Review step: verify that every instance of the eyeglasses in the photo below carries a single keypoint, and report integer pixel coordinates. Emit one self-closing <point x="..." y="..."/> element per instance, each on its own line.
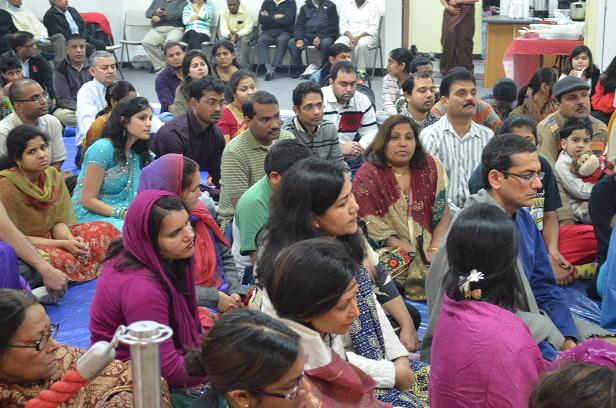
<point x="214" y="102"/>
<point x="526" y="177"/>
<point x="35" y="98"/>
<point x="289" y="396"/>
<point x="40" y="344"/>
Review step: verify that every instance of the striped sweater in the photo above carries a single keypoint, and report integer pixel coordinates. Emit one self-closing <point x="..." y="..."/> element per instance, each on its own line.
<point x="202" y="24"/>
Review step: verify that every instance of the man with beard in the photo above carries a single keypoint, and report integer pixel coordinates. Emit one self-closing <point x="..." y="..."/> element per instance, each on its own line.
<point x="455" y="139"/>
<point x="242" y="160"/>
<point x="319" y="134"/>
<point x="573" y="97"/>
<point x="170" y="77"/>
<point x="195" y="134"/>
<point x="351" y="111"/>
<point x="418" y="90"/>
<point x="30" y="103"/>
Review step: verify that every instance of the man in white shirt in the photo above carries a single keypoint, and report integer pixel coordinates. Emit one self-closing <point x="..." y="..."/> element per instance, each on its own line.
<point x="30" y="103"/>
<point x="351" y="111"/>
<point x="237" y="25"/>
<point x="25" y="20"/>
<point x="91" y="96"/>
<point x="359" y="28"/>
<point x="455" y="139"/>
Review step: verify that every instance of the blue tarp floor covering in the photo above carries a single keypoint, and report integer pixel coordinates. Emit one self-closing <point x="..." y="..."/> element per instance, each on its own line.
<point x="72" y="312"/>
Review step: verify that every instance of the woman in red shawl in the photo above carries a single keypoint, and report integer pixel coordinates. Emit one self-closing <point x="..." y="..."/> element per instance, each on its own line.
<point x="401" y="193"/>
<point x="218" y="286"/>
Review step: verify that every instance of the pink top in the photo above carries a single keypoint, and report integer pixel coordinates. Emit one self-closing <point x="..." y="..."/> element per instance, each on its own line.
<point x="482" y="356"/>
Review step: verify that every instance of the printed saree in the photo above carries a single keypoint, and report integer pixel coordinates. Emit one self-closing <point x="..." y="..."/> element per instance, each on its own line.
<point x="457" y="38"/>
<point x="112" y="388"/>
<point x="388" y="212"/>
<point x="36" y="208"/>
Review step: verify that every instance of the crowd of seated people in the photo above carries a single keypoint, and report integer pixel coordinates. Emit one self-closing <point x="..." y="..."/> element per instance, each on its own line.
<point x="301" y="286"/>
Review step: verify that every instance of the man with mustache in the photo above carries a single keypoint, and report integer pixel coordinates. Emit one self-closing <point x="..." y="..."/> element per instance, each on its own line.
<point x="573" y="97"/>
<point x="455" y="139"/>
<point x="418" y="90"/>
<point x="242" y="160"/>
<point x="195" y="134"/>
<point x="351" y="111"/>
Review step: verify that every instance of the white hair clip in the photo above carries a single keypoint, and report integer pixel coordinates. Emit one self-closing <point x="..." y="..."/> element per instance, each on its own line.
<point x="464" y="283"/>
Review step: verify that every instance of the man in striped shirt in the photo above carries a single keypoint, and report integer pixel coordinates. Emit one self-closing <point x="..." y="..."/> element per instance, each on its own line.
<point x="351" y="111"/>
<point x="455" y="139"/>
<point x="242" y="160"/>
<point x="308" y="126"/>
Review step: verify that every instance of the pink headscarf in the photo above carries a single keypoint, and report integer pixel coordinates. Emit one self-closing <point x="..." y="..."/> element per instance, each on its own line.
<point x="166" y="173"/>
<point x="137" y="241"/>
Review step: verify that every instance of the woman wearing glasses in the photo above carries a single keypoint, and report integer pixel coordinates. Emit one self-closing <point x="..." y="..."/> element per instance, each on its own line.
<point x="38" y="203"/>
<point x="109" y="176"/>
<point x="31" y="359"/>
<point x="251" y="360"/>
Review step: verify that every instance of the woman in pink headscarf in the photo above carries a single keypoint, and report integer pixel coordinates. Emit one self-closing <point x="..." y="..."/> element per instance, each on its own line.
<point x="218" y="285"/>
<point x="149" y="275"/>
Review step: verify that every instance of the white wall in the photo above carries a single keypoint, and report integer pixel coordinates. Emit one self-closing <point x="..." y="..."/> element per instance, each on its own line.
<point x="391" y="36"/>
<point x="605" y="46"/>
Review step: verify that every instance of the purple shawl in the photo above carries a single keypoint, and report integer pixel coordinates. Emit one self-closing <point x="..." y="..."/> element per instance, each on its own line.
<point x="138" y="243"/>
<point x="482" y="355"/>
<point x="164" y="173"/>
<point x="591" y="351"/>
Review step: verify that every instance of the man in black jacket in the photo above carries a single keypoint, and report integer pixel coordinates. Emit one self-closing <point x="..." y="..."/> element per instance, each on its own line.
<point x="65" y="20"/>
<point x="277" y="18"/>
<point x="317" y="25"/>
<point x="7" y="27"/>
<point x="23" y="47"/>
<point x="68" y="77"/>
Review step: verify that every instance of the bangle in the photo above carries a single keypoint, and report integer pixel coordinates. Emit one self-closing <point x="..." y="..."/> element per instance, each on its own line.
<point x="118" y="212"/>
<point x="432" y="249"/>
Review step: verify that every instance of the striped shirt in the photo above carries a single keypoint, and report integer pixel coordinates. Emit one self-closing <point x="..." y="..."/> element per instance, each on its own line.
<point x="355" y="121"/>
<point x="460" y="156"/>
<point x="202" y="23"/>
<point x="241" y="167"/>
<point x="323" y="143"/>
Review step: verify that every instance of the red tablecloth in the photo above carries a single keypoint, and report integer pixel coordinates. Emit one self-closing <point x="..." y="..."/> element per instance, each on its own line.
<point x="522" y="57"/>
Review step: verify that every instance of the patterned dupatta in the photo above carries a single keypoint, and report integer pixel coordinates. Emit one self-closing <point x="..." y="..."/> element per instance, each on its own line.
<point x="376" y="191"/>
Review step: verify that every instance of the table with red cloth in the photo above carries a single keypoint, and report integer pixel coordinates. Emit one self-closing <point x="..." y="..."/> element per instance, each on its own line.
<point x="523" y="56"/>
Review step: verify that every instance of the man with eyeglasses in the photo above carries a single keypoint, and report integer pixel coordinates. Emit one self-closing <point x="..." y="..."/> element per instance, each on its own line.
<point x="309" y="125"/>
<point x="30" y="103"/>
<point x="545" y="204"/>
<point x="195" y="134"/>
<point x="33" y="65"/>
<point x="512" y="175"/>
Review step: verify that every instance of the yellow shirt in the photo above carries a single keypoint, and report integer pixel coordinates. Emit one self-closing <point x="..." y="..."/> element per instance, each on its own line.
<point x="241" y="22"/>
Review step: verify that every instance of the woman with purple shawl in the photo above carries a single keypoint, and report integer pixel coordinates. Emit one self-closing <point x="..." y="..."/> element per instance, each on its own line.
<point x="218" y="285"/>
<point x="483" y="355"/>
<point x="149" y="275"/>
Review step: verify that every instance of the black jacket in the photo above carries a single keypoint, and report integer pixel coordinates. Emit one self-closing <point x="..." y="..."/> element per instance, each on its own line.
<point x="40" y="71"/>
<point x="55" y="22"/>
<point x="313" y="21"/>
<point x="277" y="27"/>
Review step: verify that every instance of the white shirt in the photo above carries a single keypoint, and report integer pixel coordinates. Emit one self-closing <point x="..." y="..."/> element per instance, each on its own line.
<point x="357" y="118"/>
<point x="364" y="19"/>
<point x="460" y="156"/>
<point x="47" y="123"/>
<point x="90" y="101"/>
